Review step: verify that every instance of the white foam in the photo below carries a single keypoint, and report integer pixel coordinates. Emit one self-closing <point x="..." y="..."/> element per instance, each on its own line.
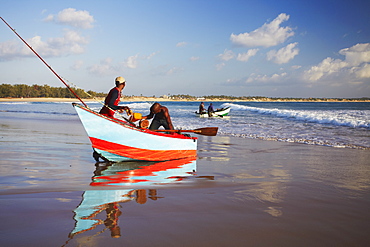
<point x="14" y="103"/>
<point x="350" y="118"/>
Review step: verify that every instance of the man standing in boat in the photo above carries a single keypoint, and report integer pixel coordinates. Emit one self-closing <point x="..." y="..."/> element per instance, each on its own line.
<point x="210" y="110"/>
<point x="113" y="98"/>
<point x="161" y="117"/>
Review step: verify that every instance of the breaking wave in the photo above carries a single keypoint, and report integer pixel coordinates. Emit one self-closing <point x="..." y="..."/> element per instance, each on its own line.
<point x="349" y="118"/>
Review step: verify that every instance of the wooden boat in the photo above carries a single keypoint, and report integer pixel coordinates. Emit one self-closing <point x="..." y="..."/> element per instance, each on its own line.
<point x="118" y="140"/>
<point x="219" y="113"/>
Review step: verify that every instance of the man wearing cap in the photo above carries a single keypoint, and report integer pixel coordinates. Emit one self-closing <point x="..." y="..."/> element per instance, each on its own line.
<point x="113" y="98"/>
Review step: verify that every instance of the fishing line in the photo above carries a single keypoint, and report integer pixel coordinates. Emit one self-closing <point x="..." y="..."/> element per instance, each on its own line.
<point x="47" y="65"/>
<point x="59" y="77"/>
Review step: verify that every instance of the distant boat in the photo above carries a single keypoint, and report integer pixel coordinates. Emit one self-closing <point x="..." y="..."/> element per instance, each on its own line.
<point x="218" y="113"/>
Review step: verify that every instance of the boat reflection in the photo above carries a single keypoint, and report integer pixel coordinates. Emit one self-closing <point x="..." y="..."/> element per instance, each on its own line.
<point x="143" y="173"/>
<point x="88" y="214"/>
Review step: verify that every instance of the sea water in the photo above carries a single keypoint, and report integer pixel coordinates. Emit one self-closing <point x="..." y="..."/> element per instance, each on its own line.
<point x="336" y="124"/>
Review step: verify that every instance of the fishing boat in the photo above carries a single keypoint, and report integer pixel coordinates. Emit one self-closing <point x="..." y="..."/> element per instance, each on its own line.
<point x="119" y="140"/>
<point x="218" y="113"/>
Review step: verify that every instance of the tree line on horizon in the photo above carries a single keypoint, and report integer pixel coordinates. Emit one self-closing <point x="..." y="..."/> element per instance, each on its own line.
<point x="46" y="91"/>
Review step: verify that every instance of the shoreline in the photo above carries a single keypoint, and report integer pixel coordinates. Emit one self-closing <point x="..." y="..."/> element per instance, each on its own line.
<point x="135" y="99"/>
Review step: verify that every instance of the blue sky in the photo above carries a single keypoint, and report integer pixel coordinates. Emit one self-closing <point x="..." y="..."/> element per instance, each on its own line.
<point x="241" y="48"/>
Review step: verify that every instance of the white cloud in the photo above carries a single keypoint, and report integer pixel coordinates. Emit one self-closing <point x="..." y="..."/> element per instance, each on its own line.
<point x="131" y="62"/>
<point x="357" y="54"/>
<point x="77" y="65"/>
<point x="227" y="55"/>
<point x="296" y="67"/>
<point x="363" y="72"/>
<point x="174" y="70"/>
<point x="270" y="34"/>
<point x="107" y="67"/>
<point x="265" y="78"/>
<point x="283" y="55"/>
<point x="73" y="17"/>
<point x="194" y="58"/>
<point x="9" y="49"/>
<point x="355" y="66"/>
<point x="181" y="44"/>
<point x="326" y="67"/>
<point x="104" y="68"/>
<point x="150" y="55"/>
<point x="244" y="57"/>
<point x="220" y="66"/>
<point x="71" y="43"/>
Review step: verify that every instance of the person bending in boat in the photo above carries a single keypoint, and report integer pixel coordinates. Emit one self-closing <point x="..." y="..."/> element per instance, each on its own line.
<point x="161" y="117"/>
<point x="113" y="98"/>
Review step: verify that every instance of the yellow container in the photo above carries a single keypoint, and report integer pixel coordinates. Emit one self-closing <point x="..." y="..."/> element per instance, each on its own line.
<point x="135" y="117"/>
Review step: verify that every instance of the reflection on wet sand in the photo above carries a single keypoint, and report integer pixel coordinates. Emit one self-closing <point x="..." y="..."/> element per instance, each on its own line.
<point x="96" y="201"/>
<point x="123" y="174"/>
<point x="352" y="178"/>
<point x="268" y="185"/>
<point x="215" y="151"/>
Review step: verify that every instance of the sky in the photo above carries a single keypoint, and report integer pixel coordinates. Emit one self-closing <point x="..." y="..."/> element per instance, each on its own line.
<point x="267" y="48"/>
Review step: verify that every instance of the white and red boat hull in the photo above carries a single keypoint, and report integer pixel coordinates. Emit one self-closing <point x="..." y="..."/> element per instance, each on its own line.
<point x="118" y="140"/>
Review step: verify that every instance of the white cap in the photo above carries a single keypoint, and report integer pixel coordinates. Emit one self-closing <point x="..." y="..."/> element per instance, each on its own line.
<point x="120" y="79"/>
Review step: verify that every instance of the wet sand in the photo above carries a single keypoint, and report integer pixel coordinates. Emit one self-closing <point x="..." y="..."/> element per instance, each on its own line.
<point x="244" y="192"/>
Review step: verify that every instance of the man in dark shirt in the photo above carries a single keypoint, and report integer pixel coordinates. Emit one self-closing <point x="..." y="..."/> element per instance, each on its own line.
<point x="210" y="110"/>
<point x="161" y="117"/>
<point x="113" y="98"/>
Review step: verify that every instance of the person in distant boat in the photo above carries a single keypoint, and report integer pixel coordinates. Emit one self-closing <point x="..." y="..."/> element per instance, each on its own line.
<point x="210" y="110"/>
<point x="201" y="108"/>
<point x="113" y="98"/>
<point x="161" y="117"/>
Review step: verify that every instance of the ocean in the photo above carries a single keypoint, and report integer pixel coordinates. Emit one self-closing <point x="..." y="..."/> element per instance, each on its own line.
<point x="335" y="124"/>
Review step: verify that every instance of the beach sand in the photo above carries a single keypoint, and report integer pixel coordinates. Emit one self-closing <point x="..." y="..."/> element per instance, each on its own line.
<point x="244" y="192"/>
<point x="144" y="99"/>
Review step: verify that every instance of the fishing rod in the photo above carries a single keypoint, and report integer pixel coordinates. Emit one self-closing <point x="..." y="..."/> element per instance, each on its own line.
<point x="47" y="65"/>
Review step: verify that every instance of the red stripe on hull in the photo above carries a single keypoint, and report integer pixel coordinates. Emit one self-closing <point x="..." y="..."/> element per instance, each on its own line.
<point x="141" y="154"/>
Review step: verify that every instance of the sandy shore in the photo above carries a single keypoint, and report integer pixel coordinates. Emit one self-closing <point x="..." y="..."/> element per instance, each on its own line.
<point x="152" y="99"/>
<point x="131" y="99"/>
